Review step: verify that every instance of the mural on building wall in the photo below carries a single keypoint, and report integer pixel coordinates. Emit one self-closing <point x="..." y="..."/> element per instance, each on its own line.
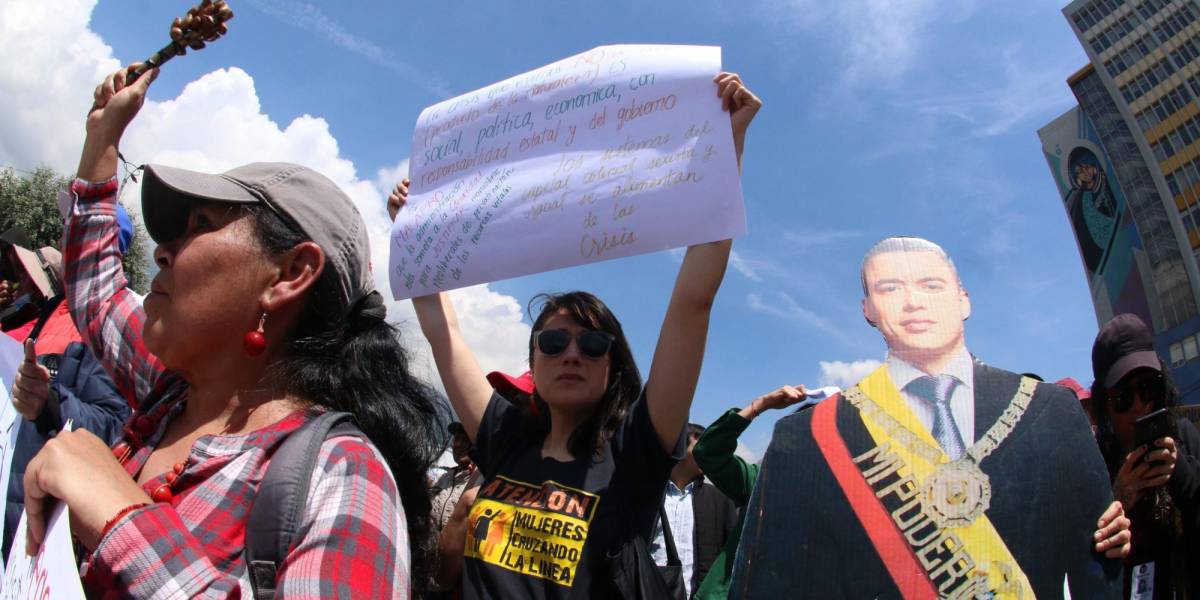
<point x="1108" y="241"/>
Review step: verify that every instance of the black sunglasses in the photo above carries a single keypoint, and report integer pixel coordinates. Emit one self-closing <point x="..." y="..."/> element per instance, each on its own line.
<point x="591" y="343"/>
<point x="1148" y="388"/>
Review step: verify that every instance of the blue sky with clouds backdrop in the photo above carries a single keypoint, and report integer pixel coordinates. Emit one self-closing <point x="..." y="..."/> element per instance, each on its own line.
<point x="881" y="117"/>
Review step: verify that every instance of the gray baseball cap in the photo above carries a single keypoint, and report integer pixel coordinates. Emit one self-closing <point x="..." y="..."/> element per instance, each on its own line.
<point x="304" y="199"/>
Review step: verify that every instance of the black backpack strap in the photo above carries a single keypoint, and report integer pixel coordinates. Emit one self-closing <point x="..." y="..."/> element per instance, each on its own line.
<point x="282" y="497"/>
<point x="668" y="539"/>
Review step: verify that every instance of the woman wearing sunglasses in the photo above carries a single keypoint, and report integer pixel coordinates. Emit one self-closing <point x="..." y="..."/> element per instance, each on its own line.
<point x="1158" y="481"/>
<point x="564" y="490"/>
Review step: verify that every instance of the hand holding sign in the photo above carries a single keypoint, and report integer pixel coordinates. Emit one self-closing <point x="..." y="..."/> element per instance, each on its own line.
<point x="52" y="572"/>
<point x="742" y="105"/>
<point x="32" y="385"/>
<point x="77" y="468"/>
<point x="398" y="198"/>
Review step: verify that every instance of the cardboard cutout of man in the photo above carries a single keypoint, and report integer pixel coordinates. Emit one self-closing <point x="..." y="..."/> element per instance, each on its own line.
<point x="936" y="475"/>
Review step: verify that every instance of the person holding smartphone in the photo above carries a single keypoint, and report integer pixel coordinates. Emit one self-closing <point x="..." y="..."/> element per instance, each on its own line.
<point x="1153" y="459"/>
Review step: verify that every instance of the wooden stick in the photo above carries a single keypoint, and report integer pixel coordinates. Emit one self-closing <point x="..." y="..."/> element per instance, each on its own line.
<point x="203" y="23"/>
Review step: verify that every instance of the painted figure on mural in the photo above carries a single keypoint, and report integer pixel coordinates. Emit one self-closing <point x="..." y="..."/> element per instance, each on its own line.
<point x="1092" y="206"/>
<point x="936" y="475"/>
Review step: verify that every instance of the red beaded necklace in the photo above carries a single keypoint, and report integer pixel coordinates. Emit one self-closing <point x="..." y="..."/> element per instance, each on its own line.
<point x="136" y="430"/>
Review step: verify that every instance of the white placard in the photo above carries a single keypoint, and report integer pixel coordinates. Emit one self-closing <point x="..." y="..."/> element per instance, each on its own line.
<point x="11" y="355"/>
<point x="617" y="151"/>
<point x="52" y="573"/>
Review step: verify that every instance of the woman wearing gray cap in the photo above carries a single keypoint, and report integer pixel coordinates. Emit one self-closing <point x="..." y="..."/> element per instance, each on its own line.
<point x="262" y="316"/>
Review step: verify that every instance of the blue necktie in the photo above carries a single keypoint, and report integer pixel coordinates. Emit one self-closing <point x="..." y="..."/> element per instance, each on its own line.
<point x="937" y="390"/>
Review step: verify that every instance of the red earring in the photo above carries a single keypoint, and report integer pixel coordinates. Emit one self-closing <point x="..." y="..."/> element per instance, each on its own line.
<point x="255" y="342"/>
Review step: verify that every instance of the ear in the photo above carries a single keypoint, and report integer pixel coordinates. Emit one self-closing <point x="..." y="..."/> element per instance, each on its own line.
<point x="298" y="270"/>
<point x="964" y="301"/>
<point x="869" y="313"/>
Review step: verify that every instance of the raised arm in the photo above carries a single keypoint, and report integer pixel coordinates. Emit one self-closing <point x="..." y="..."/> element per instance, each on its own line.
<point x="465" y="383"/>
<point x="715" y="450"/>
<point x="109" y="317"/>
<point x="680" y="350"/>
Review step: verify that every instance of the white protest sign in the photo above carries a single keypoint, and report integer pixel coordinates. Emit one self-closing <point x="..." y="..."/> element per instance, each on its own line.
<point x="52" y="573"/>
<point x="11" y="355"/>
<point x="617" y="151"/>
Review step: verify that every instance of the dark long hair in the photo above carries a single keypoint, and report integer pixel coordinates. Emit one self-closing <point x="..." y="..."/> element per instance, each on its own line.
<point x="349" y="362"/>
<point x="624" y="379"/>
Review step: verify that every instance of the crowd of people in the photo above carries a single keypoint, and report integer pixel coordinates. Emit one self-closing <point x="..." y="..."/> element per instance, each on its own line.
<point x="155" y="420"/>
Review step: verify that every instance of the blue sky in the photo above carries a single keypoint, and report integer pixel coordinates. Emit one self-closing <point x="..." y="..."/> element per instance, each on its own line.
<point x="901" y="117"/>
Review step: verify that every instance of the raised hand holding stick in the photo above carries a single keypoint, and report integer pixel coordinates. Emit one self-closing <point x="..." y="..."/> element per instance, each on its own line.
<point x="203" y="23"/>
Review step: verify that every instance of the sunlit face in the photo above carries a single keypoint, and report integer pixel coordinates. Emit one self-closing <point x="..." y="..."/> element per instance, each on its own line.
<point x="206" y="295"/>
<point x="915" y="300"/>
<point x="570" y="380"/>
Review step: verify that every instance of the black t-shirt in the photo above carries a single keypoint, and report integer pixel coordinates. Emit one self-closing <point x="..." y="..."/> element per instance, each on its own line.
<point x="541" y="528"/>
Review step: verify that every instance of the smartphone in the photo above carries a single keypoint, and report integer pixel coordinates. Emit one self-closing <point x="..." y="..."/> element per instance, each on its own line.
<point x="1158" y="424"/>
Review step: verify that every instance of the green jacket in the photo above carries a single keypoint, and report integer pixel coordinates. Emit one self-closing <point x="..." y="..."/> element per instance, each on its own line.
<point x="735" y="478"/>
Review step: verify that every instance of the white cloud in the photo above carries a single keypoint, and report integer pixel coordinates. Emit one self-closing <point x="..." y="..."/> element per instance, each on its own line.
<point x="214" y="124"/>
<point x="309" y="17"/>
<point x="745" y="453"/>
<point x="815" y="237"/>
<point x="51" y="64"/>
<point x="845" y="374"/>
<point x="876" y="39"/>
<point x="785" y="307"/>
<point x="754" y="269"/>
<point x="740" y="265"/>
<point x="1024" y="88"/>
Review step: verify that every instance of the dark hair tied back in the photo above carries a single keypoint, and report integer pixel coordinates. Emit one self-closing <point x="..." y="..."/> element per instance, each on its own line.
<point x="355" y="363"/>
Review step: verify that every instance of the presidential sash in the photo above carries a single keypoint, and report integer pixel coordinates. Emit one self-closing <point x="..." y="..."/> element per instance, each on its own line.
<point x="924" y="514"/>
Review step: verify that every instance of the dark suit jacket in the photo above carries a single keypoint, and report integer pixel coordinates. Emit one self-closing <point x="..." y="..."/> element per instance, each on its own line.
<point x="1049" y="489"/>
<point x="715" y="518"/>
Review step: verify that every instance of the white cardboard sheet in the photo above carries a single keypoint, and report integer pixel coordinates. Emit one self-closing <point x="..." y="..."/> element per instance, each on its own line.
<point x="52" y="573"/>
<point x="617" y="151"/>
<point x="11" y="355"/>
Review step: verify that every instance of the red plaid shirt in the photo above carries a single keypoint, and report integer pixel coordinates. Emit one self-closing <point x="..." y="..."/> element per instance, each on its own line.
<point x="352" y="541"/>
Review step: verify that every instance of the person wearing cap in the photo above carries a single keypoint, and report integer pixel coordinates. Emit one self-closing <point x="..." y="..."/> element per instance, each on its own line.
<point x="1083" y="394"/>
<point x="1159" y="482"/>
<point x="29" y="293"/>
<point x="59" y="381"/>
<point x="574" y="485"/>
<point x="262" y="316"/>
<point x="17" y="288"/>
<point x="455" y="490"/>
<point x="934" y="476"/>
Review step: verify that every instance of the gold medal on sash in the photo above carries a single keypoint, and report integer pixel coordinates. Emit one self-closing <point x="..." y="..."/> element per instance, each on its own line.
<point x="957" y="493"/>
<point x="907" y="466"/>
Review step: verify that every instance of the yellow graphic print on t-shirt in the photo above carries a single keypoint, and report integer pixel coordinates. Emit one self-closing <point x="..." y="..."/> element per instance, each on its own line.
<point x="530" y="529"/>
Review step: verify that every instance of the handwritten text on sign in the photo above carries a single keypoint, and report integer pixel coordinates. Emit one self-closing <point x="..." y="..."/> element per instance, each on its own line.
<point x="51" y="574"/>
<point x="618" y="151"/>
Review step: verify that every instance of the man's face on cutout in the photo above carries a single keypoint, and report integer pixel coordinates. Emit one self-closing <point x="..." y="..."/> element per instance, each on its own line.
<point x="915" y="300"/>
